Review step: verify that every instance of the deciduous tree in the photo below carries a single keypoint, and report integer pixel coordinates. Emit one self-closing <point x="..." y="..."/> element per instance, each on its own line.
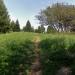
<point x="59" y="16"/>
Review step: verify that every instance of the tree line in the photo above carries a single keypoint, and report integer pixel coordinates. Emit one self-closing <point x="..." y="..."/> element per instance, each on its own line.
<point x="6" y="25"/>
<point x="59" y="17"/>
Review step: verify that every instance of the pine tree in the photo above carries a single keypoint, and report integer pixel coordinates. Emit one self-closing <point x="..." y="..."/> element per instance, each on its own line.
<point x="4" y="18"/>
<point x="13" y="26"/>
<point x="17" y="27"/>
<point x="28" y="27"/>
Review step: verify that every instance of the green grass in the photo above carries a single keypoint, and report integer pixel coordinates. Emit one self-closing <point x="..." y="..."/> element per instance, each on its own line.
<point x="22" y="36"/>
<point x="16" y="36"/>
<point x="57" y="35"/>
<point x="54" y="45"/>
<point x="57" y="50"/>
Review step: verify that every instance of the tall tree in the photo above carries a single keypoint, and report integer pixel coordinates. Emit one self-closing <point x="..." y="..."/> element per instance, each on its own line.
<point x="4" y="18"/>
<point x="13" y="26"/>
<point x="59" y="16"/>
<point x="28" y="27"/>
<point x="17" y="27"/>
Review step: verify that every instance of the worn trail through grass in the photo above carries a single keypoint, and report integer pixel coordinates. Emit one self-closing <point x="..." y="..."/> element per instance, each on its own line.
<point x="36" y="66"/>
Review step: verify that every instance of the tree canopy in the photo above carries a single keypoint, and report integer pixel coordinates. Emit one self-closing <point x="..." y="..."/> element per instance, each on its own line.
<point x="28" y="27"/>
<point x="41" y="29"/>
<point x="4" y="18"/>
<point x="17" y="27"/>
<point x="59" y="16"/>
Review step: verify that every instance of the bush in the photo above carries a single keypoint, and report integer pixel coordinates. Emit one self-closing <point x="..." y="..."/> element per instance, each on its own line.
<point x="55" y="53"/>
<point x="18" y="57"/>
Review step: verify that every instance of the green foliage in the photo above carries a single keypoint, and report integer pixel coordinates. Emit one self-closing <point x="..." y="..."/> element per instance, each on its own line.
<point x="56" y="50"/>
<point x="17" y="27"/>
<point x="50" y="29"/>
<point x="16" y="54"/>
<point x="28" y="27"/>
<point x="3" y="58"/>
<point x="4" y="18"/>
<point x="55" y="53"/>
<point x="15" y="50"/>
<point x="40" y="29"/>
<point x="13" y="26"/>
<point x="36" y="31"/>
<point x="59" y="16"/>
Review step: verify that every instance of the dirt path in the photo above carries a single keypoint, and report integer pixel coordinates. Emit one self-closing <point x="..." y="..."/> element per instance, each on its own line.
<point x="36" y="41"/>
<point x="36" y="66"/>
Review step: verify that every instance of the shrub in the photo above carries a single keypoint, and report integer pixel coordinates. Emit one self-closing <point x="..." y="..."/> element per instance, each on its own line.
<point x="19" y="58"/>
<point x="54" y="54"/>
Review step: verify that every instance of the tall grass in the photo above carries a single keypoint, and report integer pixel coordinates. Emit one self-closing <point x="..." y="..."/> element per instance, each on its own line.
<point x="56" y="53"/>
<point x="56" y="50"/>
<point x="14" y="54"/>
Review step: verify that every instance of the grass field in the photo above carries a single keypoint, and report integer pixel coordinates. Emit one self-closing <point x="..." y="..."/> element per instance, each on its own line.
<point x="14" y="48"/>
<point x="58" y="35"/>
<point x="16" y="36"/>
<point x="22" y="36"/>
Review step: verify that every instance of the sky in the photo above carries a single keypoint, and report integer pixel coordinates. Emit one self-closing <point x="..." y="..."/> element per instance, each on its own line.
<point x="24" y="10"/>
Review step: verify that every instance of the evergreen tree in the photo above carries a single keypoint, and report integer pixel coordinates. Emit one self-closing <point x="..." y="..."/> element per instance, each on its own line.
<point x="32" y="29"/>
<point x="13" y="26"/>
<point x="4" y="18"/>
<point x="28" y="27"/>
<point x="17" y="27"/>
